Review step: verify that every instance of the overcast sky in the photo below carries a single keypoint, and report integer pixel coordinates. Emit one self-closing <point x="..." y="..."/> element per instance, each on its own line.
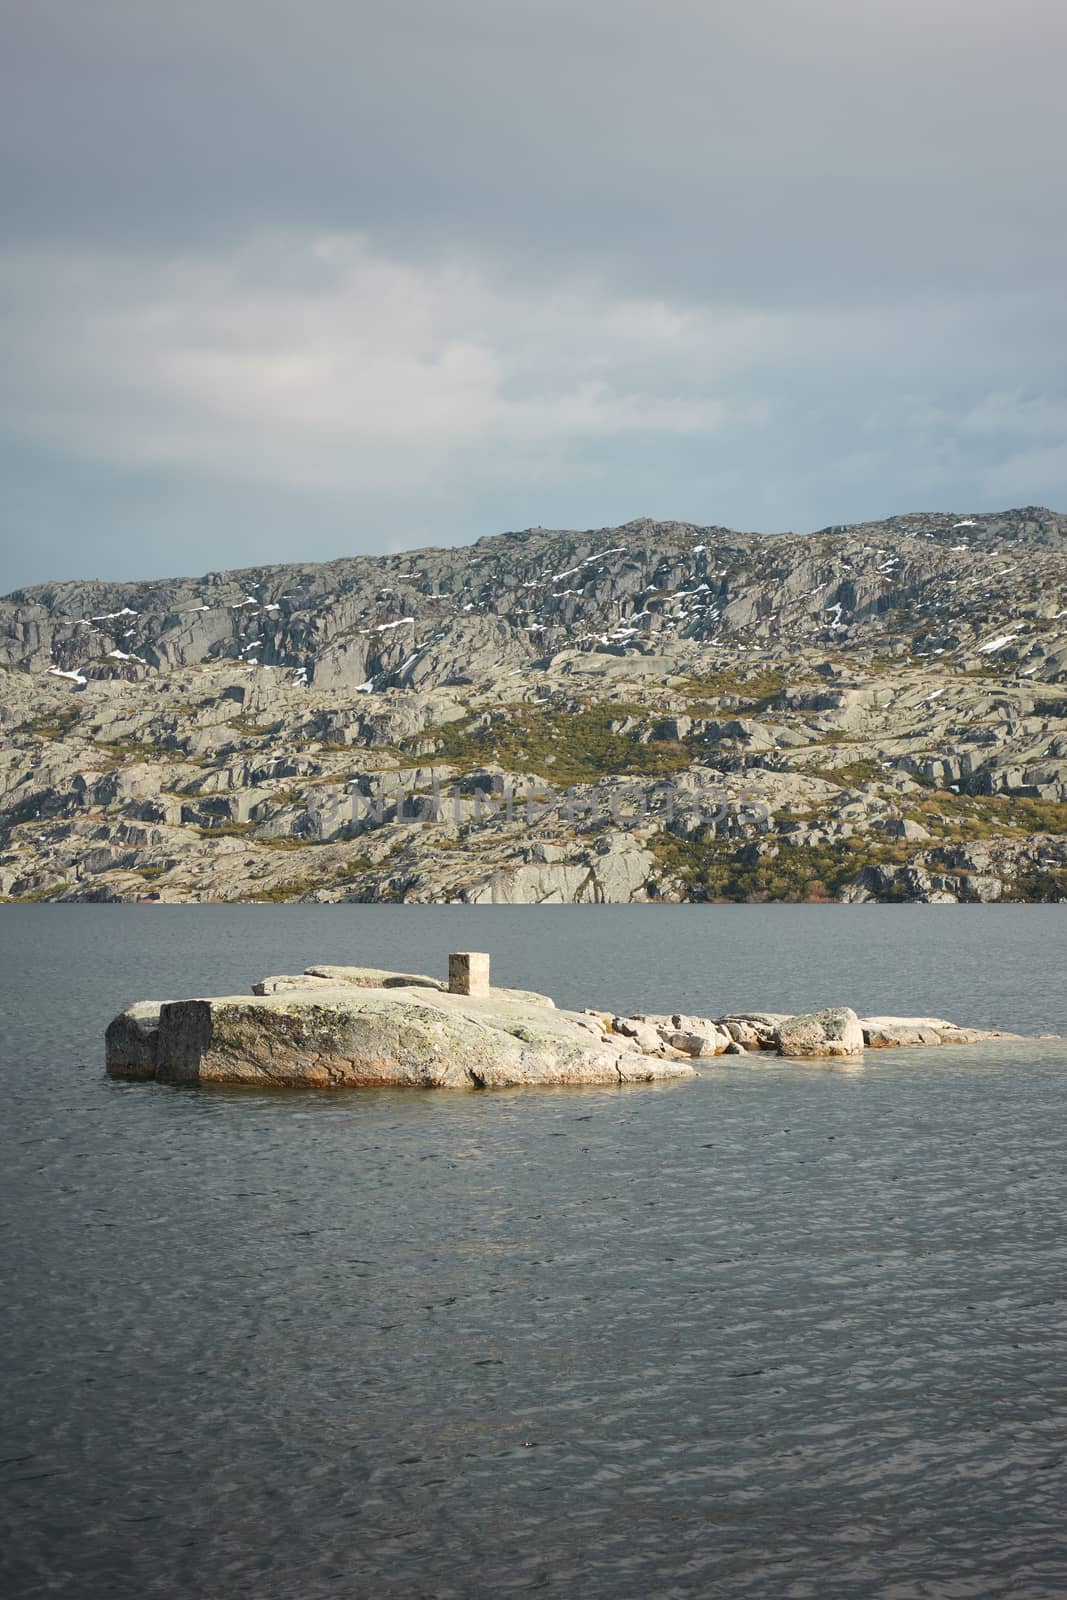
<point x="297" y="280"/>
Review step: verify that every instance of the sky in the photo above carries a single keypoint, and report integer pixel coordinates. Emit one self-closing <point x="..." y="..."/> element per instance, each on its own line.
<point x="286" y="281"/>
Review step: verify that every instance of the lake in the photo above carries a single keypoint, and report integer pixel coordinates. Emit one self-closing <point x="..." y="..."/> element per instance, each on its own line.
<point x="783" y="1331"/>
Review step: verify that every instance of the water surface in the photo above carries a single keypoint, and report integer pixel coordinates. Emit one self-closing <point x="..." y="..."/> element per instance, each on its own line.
<point x="783" y="1331"/>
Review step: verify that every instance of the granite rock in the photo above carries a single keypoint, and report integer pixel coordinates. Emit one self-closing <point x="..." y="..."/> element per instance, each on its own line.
<point x="833" y="1032"/>
<point x="351" y="1036"/>
<point x="132" y="1039"/>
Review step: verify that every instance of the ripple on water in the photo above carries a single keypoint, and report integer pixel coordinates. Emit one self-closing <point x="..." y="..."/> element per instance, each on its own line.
<point x="779" y="1332"/>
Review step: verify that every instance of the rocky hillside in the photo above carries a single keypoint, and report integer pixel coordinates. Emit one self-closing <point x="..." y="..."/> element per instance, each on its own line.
<point x="652" y="712"/>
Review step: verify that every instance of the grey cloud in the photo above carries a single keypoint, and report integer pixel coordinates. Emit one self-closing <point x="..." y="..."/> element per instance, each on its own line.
<point x="848" y="215"/>
<point x="905" y="140"/>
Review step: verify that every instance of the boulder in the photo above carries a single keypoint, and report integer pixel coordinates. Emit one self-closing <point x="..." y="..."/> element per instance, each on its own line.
<point x="644" y="1033"/>
<point x="903" y="828"/>
<point x="348" y="1035"/>
<point x="130" y="1043"/>
<point x="689" y="1036"/>
<point x="834" y="1032"/>
<point x="692" y="1044"/>
<point x="754" y="1030"/>
<point x="375" y="977"/>
<point x="704" y="1037"/>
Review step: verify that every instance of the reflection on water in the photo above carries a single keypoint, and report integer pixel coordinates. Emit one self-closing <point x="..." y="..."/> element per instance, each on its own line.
<point x="783" y="1331"/>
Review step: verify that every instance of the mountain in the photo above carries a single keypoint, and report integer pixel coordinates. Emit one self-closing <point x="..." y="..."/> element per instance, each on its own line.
<point x="653" y="712"/>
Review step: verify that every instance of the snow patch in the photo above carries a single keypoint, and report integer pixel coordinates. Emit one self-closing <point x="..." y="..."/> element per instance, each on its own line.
<point x="999" y="642"/>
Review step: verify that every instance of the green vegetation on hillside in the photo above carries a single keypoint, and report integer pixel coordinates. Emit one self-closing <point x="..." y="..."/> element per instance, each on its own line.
<point x="754" y="693"/>
<point x="971" y="816"/>
<point x="719" y="870"/>
<point x="52" y="724"/>
<point x="564" y="747"/>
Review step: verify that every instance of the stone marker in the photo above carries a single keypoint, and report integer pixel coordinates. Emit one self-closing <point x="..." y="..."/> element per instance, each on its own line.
<point x="468" y="972"/>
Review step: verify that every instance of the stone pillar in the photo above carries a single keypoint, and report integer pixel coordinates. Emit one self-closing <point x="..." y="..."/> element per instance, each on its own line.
<point x="468" y="972"/>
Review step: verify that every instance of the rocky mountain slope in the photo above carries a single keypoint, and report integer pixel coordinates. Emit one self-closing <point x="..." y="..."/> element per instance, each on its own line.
<point x="652" y="712"/>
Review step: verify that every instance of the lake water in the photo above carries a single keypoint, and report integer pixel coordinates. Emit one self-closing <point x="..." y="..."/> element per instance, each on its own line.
<point x="784" y="1331"/>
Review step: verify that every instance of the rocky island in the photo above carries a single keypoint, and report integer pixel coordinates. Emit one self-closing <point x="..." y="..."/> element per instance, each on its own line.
<point x="654" y="712"/>
<point x="362" y="1027"/>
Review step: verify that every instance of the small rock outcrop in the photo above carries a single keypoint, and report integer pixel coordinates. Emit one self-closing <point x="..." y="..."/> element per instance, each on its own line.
<point x="889" y="1033"/>
<point x="366" y="1027"/>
